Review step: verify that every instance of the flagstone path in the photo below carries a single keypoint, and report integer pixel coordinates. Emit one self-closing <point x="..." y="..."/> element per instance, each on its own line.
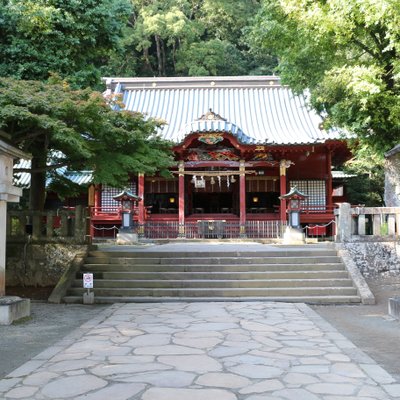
<point x="202" y="351"/>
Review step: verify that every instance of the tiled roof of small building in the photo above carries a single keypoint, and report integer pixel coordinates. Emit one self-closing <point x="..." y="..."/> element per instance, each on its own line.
<point x="23" y="179"/>
<point x="256" y="109"/>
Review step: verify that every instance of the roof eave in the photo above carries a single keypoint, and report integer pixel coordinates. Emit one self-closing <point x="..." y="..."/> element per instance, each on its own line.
<point x="193" y="82"/>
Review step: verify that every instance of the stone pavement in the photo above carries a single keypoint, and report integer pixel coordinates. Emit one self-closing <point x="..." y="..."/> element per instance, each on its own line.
<point x="202" y="351"/>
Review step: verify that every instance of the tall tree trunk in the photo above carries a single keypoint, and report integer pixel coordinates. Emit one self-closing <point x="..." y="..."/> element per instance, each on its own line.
<point x="174" y="56"/>
<point x="37" y="192"/>
<point x="159" y="56"/>
<point x="164" y="58"/>
<point x="147" y="60"/>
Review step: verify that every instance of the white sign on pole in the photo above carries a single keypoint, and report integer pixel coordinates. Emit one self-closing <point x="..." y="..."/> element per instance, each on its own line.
<point x="88" y="281"/>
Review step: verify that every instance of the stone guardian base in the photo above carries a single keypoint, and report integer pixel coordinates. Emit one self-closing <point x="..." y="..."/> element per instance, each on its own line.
<point x="293" y="236"/>
<point x="127" y="238"/>
<point x="13" y="308"/>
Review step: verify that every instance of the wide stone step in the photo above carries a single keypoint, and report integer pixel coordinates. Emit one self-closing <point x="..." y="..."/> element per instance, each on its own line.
<point x="216" y="283"/>
<point x="211" y="260"/>
<point x="213" y="254"/>
<point x="310" y="274"/>
<point x="218" y="292"/>
<point x="211" y="268"/>
<point x="336" y="274"/>
<point x="329" y="299"/>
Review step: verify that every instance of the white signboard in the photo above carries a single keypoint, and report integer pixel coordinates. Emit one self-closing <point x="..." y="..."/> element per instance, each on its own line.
<point x="88" y="281"/>
<point x="199" y="183"/>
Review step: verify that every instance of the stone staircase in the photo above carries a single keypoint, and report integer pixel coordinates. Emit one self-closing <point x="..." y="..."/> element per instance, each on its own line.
<point x="312" y="274"/>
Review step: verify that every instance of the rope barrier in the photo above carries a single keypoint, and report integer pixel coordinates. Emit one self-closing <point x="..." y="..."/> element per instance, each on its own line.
<point x="321" y="226"/>
<point x="105" y="229"/>
<point x="318" y="226"/>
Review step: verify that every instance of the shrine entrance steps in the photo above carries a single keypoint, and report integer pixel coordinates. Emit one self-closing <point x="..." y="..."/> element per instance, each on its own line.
<point x="313" y="274"/>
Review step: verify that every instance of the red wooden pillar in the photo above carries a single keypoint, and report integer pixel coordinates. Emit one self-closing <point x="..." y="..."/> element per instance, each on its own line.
<point x="141" y="209"/>
<point x="97" y="196"/>
<point x="181" y="201"/>
<point x="96" y="207"/>
<point x="283" y="190"/>
<point x="242" y="198"/>
<point x="329" y="189"/>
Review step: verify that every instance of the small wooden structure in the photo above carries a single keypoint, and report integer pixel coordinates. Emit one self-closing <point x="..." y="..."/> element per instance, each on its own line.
<point x="294" y="199"/>
<point x="128" y="201"/>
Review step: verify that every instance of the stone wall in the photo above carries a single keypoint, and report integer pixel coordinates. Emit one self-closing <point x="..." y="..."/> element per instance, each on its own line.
<point x="42" y="264"/>
<point x="392" y="179"/>
<point x="375" y="258"/>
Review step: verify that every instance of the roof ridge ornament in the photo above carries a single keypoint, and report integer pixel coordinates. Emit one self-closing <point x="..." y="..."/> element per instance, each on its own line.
<point x="211" y="116"/>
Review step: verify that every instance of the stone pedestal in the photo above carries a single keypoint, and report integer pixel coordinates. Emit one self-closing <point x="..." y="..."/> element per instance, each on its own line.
<point x="394" y="307"/>
<point x="88" y="298"/>
<point x="293" y="236"/>
<point x="344" y="223"/>
<point x="127" y="238"/>
<point x="3" y="224"/>
<point x="13" y="308"/>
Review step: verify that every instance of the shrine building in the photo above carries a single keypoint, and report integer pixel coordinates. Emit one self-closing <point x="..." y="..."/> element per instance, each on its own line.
<point x="240" y="143"/>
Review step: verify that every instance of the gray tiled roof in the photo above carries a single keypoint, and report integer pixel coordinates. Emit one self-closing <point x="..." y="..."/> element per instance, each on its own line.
<point x="257" y="109"/>
<point x="23" y="179"/>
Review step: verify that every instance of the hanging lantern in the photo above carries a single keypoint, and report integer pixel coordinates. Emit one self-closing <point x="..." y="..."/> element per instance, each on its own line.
<point x="233" y="180"/>
<point x="212" y="181"/>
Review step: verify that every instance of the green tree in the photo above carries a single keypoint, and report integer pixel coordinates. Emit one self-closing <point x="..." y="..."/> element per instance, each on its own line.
<point x="367" y="184"/>
<point x="79" y="129"/>
<point x="71" y="38"/>
<point x="346" y="53"/>
<point x="214" y="57"/>
<point x="188" y="37"/>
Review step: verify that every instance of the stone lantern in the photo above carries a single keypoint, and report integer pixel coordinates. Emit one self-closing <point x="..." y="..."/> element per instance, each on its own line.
<point x="293" y="231"/>
<point x="128" y="200"/>
<point x="11" y="307"/>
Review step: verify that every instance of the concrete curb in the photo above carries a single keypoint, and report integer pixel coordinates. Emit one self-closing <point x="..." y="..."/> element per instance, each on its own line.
<point x="363" y="289"/>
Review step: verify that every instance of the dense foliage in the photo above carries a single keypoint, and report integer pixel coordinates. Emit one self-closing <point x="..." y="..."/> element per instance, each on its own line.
<point x="78" y="129"/>
<point x="83" y="40"/>
<point x="189" y="37"/>
<point x="366" y="184"/>
<point x="346" y="53"/>
<point x="71" y="38"/>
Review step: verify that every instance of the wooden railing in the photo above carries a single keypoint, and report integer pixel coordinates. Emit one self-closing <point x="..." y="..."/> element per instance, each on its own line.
<point x="96" y="212"/>
<point x="112" y="212"/>
<point x="66" y="224"/>
<point x="218" y="229"/>
<point x="323" y="209"/>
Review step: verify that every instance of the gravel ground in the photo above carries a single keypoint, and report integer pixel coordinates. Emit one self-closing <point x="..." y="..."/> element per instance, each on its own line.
<point x="368" y="327"/>
<point x="47" y="324"/>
